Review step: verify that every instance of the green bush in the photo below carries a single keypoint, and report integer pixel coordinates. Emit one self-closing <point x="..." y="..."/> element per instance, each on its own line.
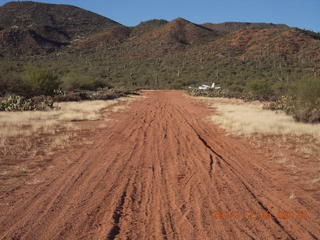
<point x="41" y="81"/>
<point x="12" y="84"/>
<point x="74" y="81"/>
<point x="235" y="88"/>
<point x="307" y="100"/>
<point x="260" y="89"/>
<point x="280" y="88"/>
<point x="3" y="87"/>
<point x="303" y="101"/>
<point x="306" y="90"/>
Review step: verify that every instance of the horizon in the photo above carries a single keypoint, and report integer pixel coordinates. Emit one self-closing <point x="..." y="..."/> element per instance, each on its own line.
<point x="294" y="13"/>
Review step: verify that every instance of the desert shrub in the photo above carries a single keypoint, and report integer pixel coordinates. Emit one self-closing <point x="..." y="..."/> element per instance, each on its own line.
<point x="41" y="81"/>
<point x="127" y="92"/>
<point x="102" y="94"/>
<point x="303" y="101"/>
<point x="283" y="103"/>
<point x="18" y="103"/>
<point x="71" y="97"/>
<point x="307" y="90"/>
<point x="226" y="93"/>
<point x="235" y="88"/>
<point x="179" y="84"/>
<point x="280" y="88"/>
<point x="307" y="113"/>
<point x="3" y="86"/>
<point x="74" y="81"/>
<point x="260" y="89"/>
<point x="12" y="84"/>
<point x="106" y="95"/>
<point x="307" y="100"/>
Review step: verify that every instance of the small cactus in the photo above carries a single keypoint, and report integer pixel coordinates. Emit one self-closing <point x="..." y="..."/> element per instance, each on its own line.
<point x="18" y="103"/>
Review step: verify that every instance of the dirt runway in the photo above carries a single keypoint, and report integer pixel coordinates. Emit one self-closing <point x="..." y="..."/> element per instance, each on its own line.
<point x="160" y="170"/>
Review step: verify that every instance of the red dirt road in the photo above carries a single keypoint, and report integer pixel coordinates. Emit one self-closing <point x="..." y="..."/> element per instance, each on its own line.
<point x="160" y="171"/>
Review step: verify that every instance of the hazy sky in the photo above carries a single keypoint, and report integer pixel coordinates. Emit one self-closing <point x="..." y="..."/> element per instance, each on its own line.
<point x="295" y="13"/>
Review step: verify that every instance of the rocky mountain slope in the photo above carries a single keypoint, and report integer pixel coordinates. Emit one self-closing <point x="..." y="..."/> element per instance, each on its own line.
<point x="37" y="28"/>
<point x="174" y="53"/>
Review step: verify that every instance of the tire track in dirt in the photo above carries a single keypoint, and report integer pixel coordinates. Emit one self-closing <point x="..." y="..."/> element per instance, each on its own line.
<point x="160" y="171"/>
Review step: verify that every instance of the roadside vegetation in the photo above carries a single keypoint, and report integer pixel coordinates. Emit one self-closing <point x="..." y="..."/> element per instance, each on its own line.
<point x="248" y="118"/>
<point x="300" y="99"/>
<point x="38" y="88"/>
<point x="23" y="126"/>
<point x="282" y="140"/>
<point x="29" y="140"/>
<point x="38" y="135"/>
<point x="27" y="123"/>
<point x="43" y="112"/>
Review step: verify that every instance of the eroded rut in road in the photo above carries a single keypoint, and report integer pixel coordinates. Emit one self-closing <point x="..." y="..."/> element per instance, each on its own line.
<point x="160" y="171"/>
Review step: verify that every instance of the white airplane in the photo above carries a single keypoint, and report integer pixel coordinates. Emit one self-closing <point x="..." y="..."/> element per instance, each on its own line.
<point x="204" y="87"/>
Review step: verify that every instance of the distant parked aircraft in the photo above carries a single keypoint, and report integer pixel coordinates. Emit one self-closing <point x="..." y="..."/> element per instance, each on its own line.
<point x="205" y="87"/>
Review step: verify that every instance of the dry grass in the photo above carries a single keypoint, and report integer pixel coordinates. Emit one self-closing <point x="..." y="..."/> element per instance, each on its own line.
<point x="83" y="111"/>
<point x="27" y="123"/>
<point x="294" y="146"/>
<point x="29" y="140"/>
<point x="24" y="133"/>
<point x="241" y="118"/>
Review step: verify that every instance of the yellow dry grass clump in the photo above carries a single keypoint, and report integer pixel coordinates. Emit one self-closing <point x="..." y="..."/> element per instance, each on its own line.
<point x="23" y="124"/>
<point x="83" y="111"/>
<point x="241" y="118"/>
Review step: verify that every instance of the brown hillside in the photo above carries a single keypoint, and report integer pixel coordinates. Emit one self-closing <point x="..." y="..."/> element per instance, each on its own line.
<point x="72" y="20"/>
<point x="147" y="27"/>
<point x="105" y="39"/>
<point x="17" y="41"/>
<point x="158" y="38"/>
<point x="228" y="27"/>
<point x="182" y="31"/>
<point x="266" y="42"/>
<point x="30" y="28"/>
